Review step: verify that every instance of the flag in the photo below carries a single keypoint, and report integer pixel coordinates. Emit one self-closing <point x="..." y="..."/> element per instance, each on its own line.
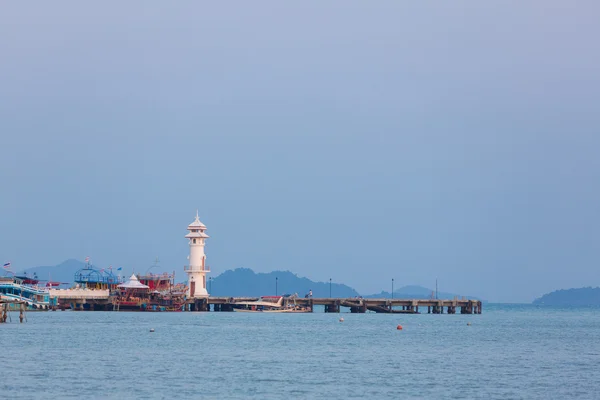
<point x="87" y="259"/>
<point x="102" y="270"/>
<point x="6" y="265"/>
<point x="120" y="268"/>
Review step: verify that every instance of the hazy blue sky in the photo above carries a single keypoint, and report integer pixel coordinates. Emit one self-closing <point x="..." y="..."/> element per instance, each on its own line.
<point x="356" y="140"/>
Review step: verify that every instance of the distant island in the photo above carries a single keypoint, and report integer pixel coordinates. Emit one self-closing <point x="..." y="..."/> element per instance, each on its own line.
<point x="63" y="272"/>
<point x="587" y="296"/>
<point x="417" y="292"/>
<point x="245" y="282"/>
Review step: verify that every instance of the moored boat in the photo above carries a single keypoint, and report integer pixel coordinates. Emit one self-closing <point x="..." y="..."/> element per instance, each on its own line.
<point x="271" y="304"/>
<point x="150" y="292"/>
<point x="25" y="289"/>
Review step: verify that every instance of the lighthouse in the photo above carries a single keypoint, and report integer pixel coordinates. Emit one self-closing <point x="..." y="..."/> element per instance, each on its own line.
<point x="197" y="269"/>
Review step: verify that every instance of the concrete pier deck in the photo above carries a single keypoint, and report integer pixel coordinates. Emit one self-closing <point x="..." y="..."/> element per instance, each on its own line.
<point x="100" y="300"/>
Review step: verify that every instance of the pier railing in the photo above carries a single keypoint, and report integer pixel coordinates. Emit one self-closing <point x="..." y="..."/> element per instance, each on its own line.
<point x="191" y="268"/>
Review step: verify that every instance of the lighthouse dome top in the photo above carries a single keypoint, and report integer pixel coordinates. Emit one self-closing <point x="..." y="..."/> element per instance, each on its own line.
<point x="196" y="224"/>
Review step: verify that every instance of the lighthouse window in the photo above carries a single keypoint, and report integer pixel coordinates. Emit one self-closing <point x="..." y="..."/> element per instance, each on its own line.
<point x="194" y="241"/>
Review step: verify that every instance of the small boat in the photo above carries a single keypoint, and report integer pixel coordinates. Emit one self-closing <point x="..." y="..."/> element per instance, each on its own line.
<point x="271" y="304"/>
<point x="290" y="310"/>
<point x="282" y="310"/>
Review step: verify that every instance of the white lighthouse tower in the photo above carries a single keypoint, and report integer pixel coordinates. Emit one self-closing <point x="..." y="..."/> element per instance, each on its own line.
<point x="197" y="269"/>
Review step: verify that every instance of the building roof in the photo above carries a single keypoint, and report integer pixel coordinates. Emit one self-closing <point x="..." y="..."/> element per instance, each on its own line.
<point x="196" y="224"/>
<point x="197" y="235"/>
<point x="133" y="283"/>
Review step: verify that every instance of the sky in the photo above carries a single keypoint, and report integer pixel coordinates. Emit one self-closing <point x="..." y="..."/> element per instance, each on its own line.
<point x="351" y="140"/>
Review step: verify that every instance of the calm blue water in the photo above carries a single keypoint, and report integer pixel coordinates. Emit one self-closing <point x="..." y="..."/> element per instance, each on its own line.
<point x="509" y="352"/>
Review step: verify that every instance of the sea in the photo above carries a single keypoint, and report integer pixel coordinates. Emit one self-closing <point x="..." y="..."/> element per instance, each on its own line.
<point x="508" y="352"/>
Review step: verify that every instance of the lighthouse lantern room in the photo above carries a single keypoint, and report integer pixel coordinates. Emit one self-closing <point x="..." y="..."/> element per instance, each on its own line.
<point x="197" y="269"/>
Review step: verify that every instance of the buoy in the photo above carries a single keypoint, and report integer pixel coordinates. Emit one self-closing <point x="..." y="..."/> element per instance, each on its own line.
<point x="399" y="327"/>
<point x="151" y="329"/>
<point x="342" y="319"/>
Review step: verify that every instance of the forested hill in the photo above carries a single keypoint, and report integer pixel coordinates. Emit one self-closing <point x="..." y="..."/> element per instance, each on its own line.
<point x="587" y="296"/>
<point x="245" y="282"/>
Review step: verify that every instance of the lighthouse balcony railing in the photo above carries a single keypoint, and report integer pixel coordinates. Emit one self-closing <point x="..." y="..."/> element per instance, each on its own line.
<point x="194" y="268"/>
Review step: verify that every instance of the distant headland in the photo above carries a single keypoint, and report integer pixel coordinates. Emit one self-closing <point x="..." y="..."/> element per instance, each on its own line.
<point x="587" y="296"/>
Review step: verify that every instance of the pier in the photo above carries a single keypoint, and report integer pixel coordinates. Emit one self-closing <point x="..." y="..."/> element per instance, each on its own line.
<point x="81" y="299"/>
<point x="12" y="305"/>
<point x="399" y="306"/>
<point x="101" y="301"/>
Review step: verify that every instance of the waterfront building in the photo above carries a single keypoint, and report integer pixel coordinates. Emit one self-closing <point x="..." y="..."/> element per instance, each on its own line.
<point x="89" y="277"/>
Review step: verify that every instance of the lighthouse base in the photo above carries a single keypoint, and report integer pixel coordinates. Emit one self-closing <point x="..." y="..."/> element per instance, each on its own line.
<point x="197" y="305"/>
<point x="197" y="294"/>
<point x="197" y="286"/>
